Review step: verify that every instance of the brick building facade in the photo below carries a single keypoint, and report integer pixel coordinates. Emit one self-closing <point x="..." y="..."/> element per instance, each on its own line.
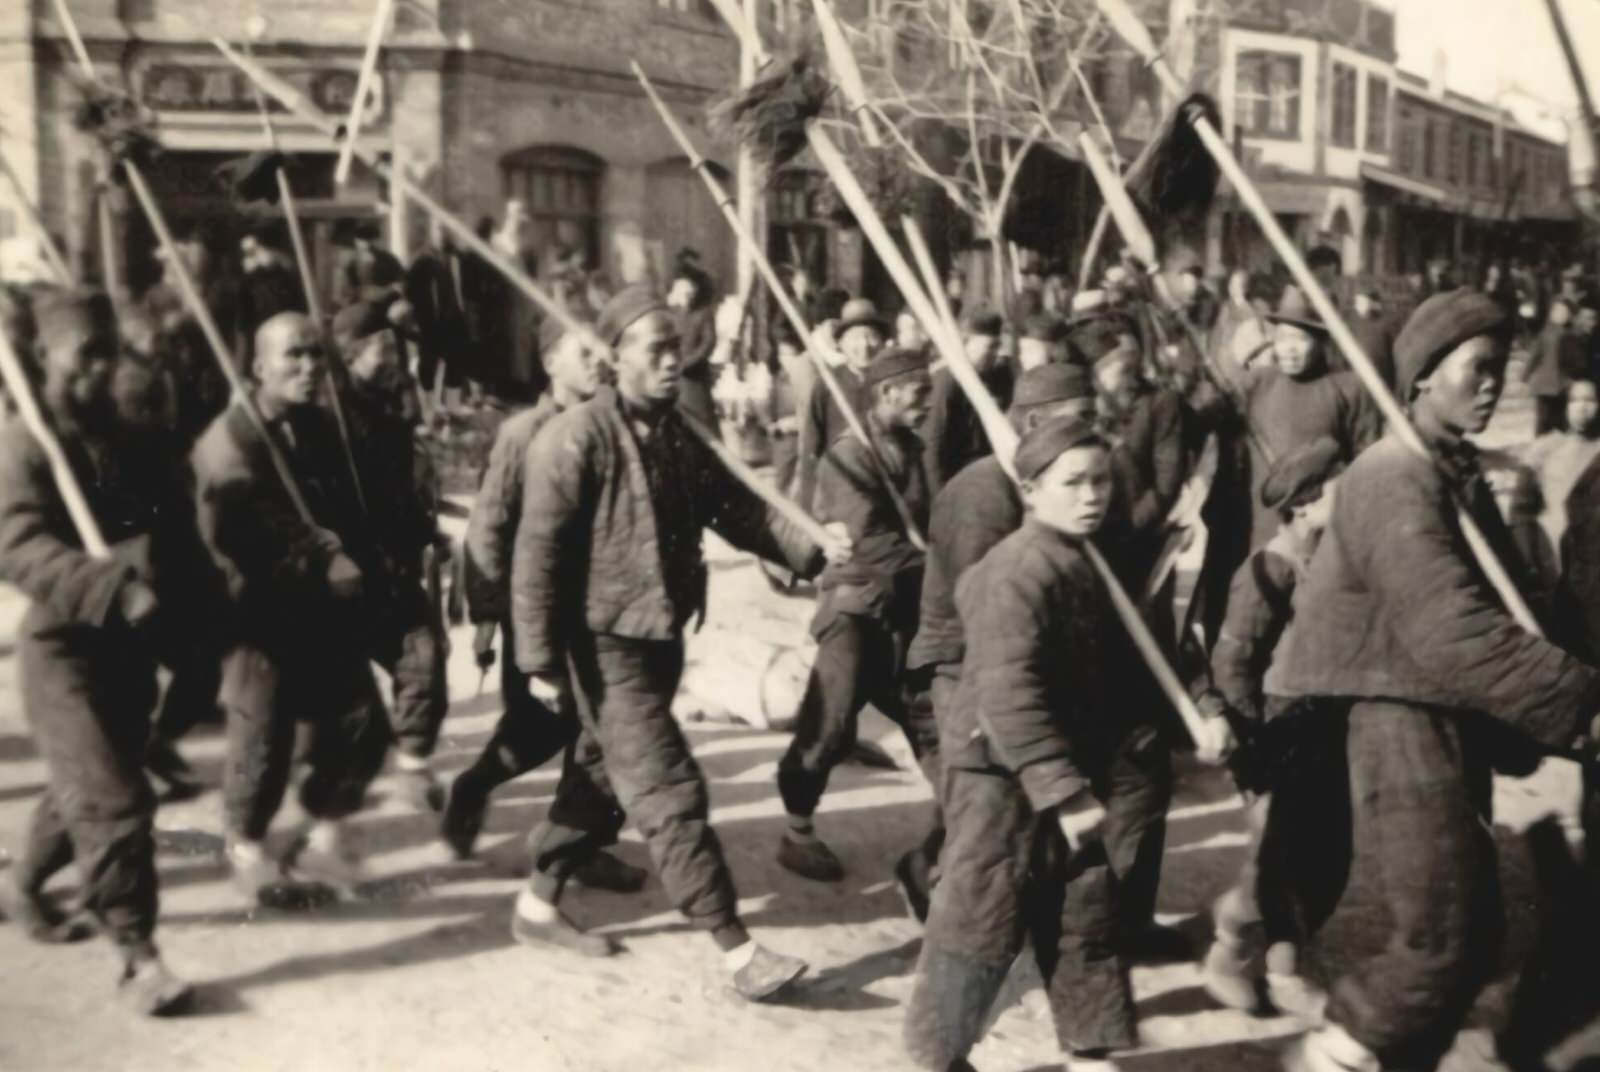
<point x="483" y="100"/>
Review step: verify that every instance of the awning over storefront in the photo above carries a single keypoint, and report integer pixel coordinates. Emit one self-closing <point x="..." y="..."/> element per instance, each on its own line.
<point x="1407" y="185"/>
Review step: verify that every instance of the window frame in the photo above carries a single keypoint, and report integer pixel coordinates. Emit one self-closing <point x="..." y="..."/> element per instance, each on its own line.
<point x="1267" y="99"/>
<point x="1380" y="98"/>
<point x="576" y="167"/>
<point x="1344" y="93"/>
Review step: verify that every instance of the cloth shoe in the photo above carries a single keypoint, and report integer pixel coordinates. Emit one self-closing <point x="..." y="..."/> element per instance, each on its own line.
<point x="420" y="789"/>
<point x="765" y="974"/>
<point x="809" y="858"/>
<point x="1329" y="1049"/>
<point x="1226" y="976"/>
<point x="463" y="816"/>
<point x="605" y="871"/>
<point x="325" y="858"/>
<point x="149" y="989"/>
<point x="557" y="930"/>
<point x="1297" y="996"/>
<point x="39" y="918"/>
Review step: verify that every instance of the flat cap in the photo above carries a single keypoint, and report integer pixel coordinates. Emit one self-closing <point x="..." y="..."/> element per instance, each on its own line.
<point x="893" y="363"/>
<point x="628" y="306"/>
<point x="861" y="313"/>
<point x="982" y="320"/>
<point x="1052" y="383"/>
<point x="1439" y="325"/>
<point x="1299" y="475"/>
<point x="1045" y="443"/>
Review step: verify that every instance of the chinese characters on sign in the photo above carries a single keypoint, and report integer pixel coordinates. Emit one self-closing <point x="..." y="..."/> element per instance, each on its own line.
<point x="170" y="87"/>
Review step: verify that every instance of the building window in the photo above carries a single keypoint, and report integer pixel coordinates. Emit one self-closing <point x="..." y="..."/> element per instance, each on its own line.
<point x="1267" y="94"/>
<point x="1430" y="149"/>
<point x="560" y="188"/>
<point x="1453" y="159"/>
<point x="1470" y="176"/>
<point x="1377" y="115"/>
<point x="1343" y="133"/>
<point x="797" y="232"/>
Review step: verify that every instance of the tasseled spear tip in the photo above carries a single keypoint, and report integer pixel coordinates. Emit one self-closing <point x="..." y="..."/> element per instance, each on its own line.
<point x="769" y="116"/>
<point x="1182" y="177"/>
<point x="115" y="119"/>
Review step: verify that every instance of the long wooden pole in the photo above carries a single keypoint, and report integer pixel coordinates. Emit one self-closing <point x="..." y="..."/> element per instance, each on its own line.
<point x="291" y="99"/>
<point x="308" y="283"/>
<point x="369" y="67"/>
<point x="47" y="243"/>
<point x="190" y="292"/>
<point x="21" y="392"/>
<point x="1002" y="436"/>
<point x="769" y="275"/>
<point x="1133" y="31"/>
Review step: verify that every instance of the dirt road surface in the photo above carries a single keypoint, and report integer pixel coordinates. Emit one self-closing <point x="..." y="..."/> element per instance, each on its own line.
<point x="421" y="973"/>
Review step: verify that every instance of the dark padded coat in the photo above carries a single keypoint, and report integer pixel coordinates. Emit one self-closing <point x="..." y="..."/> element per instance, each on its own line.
<point x="588" y="550"/>
<point x="975" y="511"/>
<point x="496" y="511"/>
<point x="883" y="578"/>
<point x="953" y="433"/>
<point x="273" y="561"/>
<point x="1025" y="705"/>
<point x="1394" y="608"/>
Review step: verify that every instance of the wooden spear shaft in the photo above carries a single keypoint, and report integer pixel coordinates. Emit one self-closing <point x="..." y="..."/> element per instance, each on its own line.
<point x="17" y="385"/>
<point x="769" y="275"/>
<point x="291" y="99"/>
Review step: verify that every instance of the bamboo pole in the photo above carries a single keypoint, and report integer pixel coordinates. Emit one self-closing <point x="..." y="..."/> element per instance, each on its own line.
<point x="1002" y="436"/>
<point x="47" y="244"/>
<point x="308" y="283"/>
<point x="1128" y="26"/>
<point x="191" y="293"/>
<point x="369" y="66"/>
<point x="290" y="98"/>
<point x="763" y="265"/>
<point x="21" y="391"/>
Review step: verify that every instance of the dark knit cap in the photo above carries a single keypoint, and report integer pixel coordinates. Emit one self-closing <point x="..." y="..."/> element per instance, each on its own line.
<point x="60" y="312"/>
<point x="1441" y="324"/>
<point x="893" y="363"/>
<point x="1044" y="327"/>
<point x="1044" y="444"/>
<point x="982" y="320"/>
<point x="1299" y="475"/>
<point x="1051" y="383"/>
<point x="626" y="307"/>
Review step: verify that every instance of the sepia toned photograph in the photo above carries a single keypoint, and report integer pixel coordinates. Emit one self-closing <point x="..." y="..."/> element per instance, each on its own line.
<point x="783" y="535"/>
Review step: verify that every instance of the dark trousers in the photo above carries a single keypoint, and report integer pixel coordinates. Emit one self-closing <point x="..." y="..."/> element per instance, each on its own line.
<point x="624" y="692"/>
<point x="1419" y="796"/>
<point x="265" y="696"/>
<point x="411" y="647"/>
<point x="1009" y="878"/>
<point x="88" y="697"/>
<point x="585" y="816"/>
<point x="858" y="662"/>
<point x="1139" y="791"/>
<point x="191" y="694"/>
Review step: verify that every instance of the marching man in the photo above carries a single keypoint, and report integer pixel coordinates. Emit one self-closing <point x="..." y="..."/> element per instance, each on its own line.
<point x="606" y="572"/>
